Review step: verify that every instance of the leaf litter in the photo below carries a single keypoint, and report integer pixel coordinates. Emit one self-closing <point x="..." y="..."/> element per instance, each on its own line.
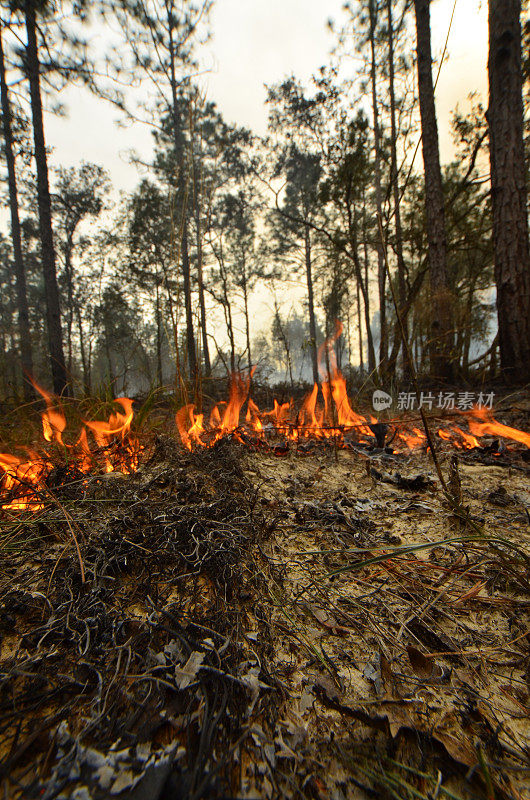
<point x="256" y="624"/>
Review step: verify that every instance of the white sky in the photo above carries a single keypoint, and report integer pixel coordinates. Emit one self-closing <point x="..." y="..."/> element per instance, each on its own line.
<point x="257" y="42"/>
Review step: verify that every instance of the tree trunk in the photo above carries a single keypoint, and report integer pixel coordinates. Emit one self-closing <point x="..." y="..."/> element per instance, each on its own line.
<point x="508" y="189"/>
<point x="70" y="291"/>
<point x="363" y="284"/>
<point x="364" y="291"/>
<point x="311" y="303"/>
<point x="53" y="309"/>
<point x="230" y="330"/>
<point x="247" y="321"/>
<point x="109" y="363"/>
<point x="178" y="143"/>
<point x="200" y="281"/>
<point x="466" y="344"/>
<point x="190" y="338"/>
<point x="359" y="326"/>
<point x="84" y="362"/>
<point x="402" y="288"/>
<point x="26" y="357"/>
<point x="158" y="339"/>
<point x="381" y="272"/>
<point x="441" y="333"/>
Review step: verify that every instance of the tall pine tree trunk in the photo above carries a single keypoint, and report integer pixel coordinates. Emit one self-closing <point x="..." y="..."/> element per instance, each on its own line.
<point x="247" y="320"/>
<point x="26" y="357"/>
<point x="68" y="271"/>
<point x="381" y="272"/>
<point x="363" y="283"/>
<point x="360" y="328"/>
<point x="441" y="333"/>
<point x="53" y="309"/>
<point x="508" y="188"/>
<point x="159" y="380"/>
<point x="200" y="282"/>
<point x="402" y="288"/>
<point x="311" y="302"/>
<point x="84" y="360"/>
<point x="190" y="338"/>
<point x="178" y="143"/>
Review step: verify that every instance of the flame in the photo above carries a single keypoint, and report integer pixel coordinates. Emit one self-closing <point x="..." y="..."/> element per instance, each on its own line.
<point x="459" y="438"/>
<point x="23" y="480"/>
<point x="239" y="386"/>
<point x="336" y="418"/>
<point x="490" y="427"/>
<point x="85" y="456"/>
<point x="413" y="440"/>
<point x="116" y="430"/>
<point x="252" y="417"/>
<point x="191" y="435"/>
<point x="53" y="419"/>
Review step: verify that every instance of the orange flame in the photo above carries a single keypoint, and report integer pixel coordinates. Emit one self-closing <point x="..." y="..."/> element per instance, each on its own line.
<point x="191" y="435"/>
<point x="22" y="480"/>
<point x="491" y="427"/>
<point x="117" y="429"/>
<point x="53" y="419"/>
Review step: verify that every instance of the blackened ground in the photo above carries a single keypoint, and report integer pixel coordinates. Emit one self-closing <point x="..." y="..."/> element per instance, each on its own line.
<point x="269" y="623"/>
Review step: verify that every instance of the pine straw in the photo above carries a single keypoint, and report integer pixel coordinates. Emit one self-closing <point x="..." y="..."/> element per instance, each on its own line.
<point x="166" y="555"/>
<point x="355" y="639"/>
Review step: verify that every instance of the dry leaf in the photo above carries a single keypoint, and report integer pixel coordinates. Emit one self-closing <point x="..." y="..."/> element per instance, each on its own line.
<point x="425" y="667"/>
<point x="328" y="621"/>
<point x="187" y="674"/>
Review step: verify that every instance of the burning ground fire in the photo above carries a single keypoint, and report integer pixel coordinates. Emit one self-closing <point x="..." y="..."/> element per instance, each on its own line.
<point x="111" y="446"/>
<point x="23" y="482"/>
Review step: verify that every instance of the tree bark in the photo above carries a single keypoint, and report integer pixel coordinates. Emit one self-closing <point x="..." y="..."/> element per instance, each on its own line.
<point x="360" y="329"/>
<point x="200" y="281"/>
<point x="363" y="285"/>
<point x="26" y="357"/>
<point x="402" y="288"/>
<point x="508" y="188"/>
<point x="159" y="378"/>
<point x="381" y="272"/>
<point x="178" y="143"/>
<point x="247" y="320"/>
<point x="364" y="290"/>
<point x="311" y="303"/>
<point x="53" y="309"/>
<point x="190" y="338"/>
<point x="441" y="333"/>
<point x="84" y="361"/>
<point x="68" y="248"/>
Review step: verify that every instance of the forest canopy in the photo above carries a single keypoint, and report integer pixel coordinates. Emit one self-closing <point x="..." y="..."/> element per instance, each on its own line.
<point x="341" y="211"/>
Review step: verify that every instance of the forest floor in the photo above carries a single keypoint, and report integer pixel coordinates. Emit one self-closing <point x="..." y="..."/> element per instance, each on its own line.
<point x="252" y="624"/>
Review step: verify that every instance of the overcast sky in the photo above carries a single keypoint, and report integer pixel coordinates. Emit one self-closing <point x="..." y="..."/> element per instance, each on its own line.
<point x="257" y="42"/>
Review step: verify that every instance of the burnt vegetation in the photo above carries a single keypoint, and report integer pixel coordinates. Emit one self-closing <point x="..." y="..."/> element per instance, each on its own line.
<point x="264" y="548"/>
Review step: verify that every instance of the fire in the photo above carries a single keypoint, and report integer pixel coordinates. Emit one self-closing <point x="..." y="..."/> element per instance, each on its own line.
<point x="117" y="430"/>
<point x="459" y="438"/>
<point x="252" y="417"/>
<point x="326" y="413"/>
<point x="335" y="419"/>
<point x="23" y="480"/>
<point x="191" y="435"/>
<point x="413" y="439"/>
<point x="53" y="419"/>
<point x="490" y="427"/>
